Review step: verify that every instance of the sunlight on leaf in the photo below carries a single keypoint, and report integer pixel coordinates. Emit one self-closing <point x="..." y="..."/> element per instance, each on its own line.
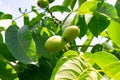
<point x="88" y="7"/>
<point x="114" y="32"/>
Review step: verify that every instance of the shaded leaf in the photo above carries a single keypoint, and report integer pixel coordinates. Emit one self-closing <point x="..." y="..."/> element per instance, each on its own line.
<point x="6" y="16"/>
<point x="118" y="8"/>
<point x="107" y="9"/>
<point x="1" y="38"/>
<point x="80" y="2"/>
<point x="96" y="25"/>
<point x="36" y="20"/>
<point x="7" y="72"/>
<point x="66" y="3"/>
<point x="26" y="19"/>
<point x="40" y="48"/>
<point x="2" y="29"/>
<point x="20" y="44"/>
<point x="4" y="52"/>
<point x="72" y="5"/>
<point x="59" y="9"/>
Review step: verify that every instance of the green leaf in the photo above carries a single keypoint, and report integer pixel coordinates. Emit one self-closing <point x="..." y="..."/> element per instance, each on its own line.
<point x="36" y="20"/>
<point x="72" y="5"/>
<point x="4" y="52"/>
<point x="80" y="2"/>
<point x="73" y="67"/>
<point x="117" y="77"/>
<point x="114" y="32"/>
<point x="118" y="8"/>
<point x="88" y="7"/>
<point x="59" y="9"/>
<point x="112" y="69"/>
<point x="7" y="72"/>
<point x="2" y="29"/>
<point x="1" y="38"/>
<point x="26" y="19"/>
<point x="96" y="25"/>
<point x="1" y="13"/>
<point x="107" y="9"/>
<point x="87" y="42"/>
<point x="66" y="3"/>
<point x="103" y="58"/>
<point x="6" y="16"/>
<point x="20" y="44"/>
<point x="107" y="62"/>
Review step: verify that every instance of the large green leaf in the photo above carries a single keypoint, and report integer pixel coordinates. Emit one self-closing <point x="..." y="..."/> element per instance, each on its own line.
<point x="107" y="62"/>
<point x="7" y="72"/>
<point x="96" y="25"/>
<point x="114" y="32"/>
<point x="20" y="44"/>
<point x="73" y="67"/>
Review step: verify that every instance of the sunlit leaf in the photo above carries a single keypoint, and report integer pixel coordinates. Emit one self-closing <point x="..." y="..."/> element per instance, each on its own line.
<point x="20" y="44"/>
<point x="107" y="62"/>
<point x="112" y="69"/>
<point x="88" y="7"/>
<point x="73" y="68"/>
<point x="103" y="58"/>
<point x="114" y="32"/>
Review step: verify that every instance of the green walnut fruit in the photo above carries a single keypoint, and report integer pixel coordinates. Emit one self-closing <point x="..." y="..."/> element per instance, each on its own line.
<point x="43" y="3"/>
<point x="50" y="1"/>
<point x="70" y="33"/>
<point x="54" y="44"/>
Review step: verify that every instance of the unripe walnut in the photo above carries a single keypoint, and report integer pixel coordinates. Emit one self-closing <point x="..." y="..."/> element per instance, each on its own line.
<point x="70" y="33"/>
<point x="43" y="3"/>
<point x="54" y="44"/>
